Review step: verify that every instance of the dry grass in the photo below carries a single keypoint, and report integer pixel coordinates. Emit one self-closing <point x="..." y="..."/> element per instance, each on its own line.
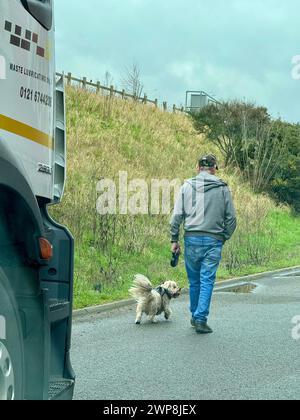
<point x="106" y="136"/>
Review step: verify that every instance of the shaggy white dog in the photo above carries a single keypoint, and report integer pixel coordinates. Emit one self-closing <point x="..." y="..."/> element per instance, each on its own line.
<point x="153" y="301"/>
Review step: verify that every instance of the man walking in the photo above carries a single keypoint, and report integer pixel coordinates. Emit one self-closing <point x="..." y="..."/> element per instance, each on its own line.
<point x="206" y="208"/>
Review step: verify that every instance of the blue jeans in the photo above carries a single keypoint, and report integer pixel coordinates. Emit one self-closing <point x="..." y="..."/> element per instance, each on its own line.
<point x="202" y="259"/>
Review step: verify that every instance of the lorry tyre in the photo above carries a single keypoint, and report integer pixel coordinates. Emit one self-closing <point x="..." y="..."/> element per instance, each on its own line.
<point x="11" y="345"/>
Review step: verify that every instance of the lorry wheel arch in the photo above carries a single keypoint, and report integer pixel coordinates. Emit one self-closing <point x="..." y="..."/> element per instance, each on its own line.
<point x="15" y="215"/>
<point x="13" y="177"/>
<point x="18" y="205"/>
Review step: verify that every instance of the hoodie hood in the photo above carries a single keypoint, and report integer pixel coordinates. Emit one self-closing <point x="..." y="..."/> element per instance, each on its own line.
<point x="207" y="181"/>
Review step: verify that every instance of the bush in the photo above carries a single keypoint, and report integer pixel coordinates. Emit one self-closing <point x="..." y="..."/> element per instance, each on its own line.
<point x="228" y="124"/>
<point x="265" y="151"/>
<point x="285" y="185"/>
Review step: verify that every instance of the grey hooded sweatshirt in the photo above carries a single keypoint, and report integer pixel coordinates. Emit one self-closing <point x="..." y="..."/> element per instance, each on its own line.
<point x="206" y="208"/>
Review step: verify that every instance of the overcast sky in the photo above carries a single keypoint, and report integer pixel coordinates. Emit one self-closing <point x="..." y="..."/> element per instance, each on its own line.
<point x="228" y="48"/>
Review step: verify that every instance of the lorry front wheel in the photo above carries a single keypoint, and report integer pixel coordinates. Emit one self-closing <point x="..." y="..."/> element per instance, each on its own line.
<point x="11" y="345"/>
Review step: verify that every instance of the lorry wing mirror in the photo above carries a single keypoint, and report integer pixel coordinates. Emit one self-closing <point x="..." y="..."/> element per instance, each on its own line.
<point x="41" y="10"/>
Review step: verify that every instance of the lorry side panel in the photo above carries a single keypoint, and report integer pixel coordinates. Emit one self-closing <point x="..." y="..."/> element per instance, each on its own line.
<point x="27" y="84"/>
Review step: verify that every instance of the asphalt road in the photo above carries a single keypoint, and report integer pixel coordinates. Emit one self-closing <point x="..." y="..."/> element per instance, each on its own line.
<point x="251" y="354"/>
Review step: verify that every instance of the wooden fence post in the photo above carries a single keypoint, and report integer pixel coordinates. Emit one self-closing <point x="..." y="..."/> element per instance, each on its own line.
<point x="123" y="94"/>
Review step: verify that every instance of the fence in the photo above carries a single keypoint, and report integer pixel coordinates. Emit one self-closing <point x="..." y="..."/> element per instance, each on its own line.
<point x="112" y="92"/>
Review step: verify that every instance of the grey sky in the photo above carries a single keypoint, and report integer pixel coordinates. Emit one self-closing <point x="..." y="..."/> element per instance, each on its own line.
<point x="229" y="48"/>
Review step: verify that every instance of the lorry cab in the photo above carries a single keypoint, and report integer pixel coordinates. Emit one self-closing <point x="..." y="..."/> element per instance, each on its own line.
<point x="36" y="253"/>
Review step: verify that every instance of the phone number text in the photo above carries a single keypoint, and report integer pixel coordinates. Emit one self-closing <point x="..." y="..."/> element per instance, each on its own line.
<point x="36" y="96"/>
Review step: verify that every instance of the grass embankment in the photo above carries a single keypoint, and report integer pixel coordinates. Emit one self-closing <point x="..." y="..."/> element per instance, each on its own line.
<point x="107" y="136"/>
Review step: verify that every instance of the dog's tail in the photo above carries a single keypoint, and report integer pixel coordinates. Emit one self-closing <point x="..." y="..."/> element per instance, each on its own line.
<point x="141" y="288"/>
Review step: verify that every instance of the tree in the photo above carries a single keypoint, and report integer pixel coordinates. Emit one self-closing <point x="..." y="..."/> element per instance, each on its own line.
<point x="262" y="154"/>
<point x="226" y="125"/>
<point x="108" y="79"/>
<point x="285" y="186"/>
<point x="247" y="137"/>
<point x="266" y="151"/>
<point x="132" y="81"/>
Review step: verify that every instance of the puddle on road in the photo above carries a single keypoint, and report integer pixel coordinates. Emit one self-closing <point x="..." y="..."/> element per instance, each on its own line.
<point x="238" y="288"/>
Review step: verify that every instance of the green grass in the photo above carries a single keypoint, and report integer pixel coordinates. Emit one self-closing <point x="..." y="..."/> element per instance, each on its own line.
<point x="155" y="263"/>
<point x="285" y="245"/>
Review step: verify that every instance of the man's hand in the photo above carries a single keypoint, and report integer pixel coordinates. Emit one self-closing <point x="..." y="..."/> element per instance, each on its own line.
<point x="176" y="248"/>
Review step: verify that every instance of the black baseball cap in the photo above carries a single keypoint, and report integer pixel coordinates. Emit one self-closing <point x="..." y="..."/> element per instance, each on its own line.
<point x="209" y="161"/>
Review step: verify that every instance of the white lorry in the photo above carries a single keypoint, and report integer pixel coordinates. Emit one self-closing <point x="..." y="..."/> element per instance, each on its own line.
<point x="36" y="253"/>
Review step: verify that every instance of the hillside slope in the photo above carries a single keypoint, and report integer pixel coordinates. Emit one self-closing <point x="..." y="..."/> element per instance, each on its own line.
<point x="108" y="136"/>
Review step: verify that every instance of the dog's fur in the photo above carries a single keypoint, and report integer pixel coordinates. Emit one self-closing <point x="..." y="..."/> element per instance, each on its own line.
<point x="150" y="301"/>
